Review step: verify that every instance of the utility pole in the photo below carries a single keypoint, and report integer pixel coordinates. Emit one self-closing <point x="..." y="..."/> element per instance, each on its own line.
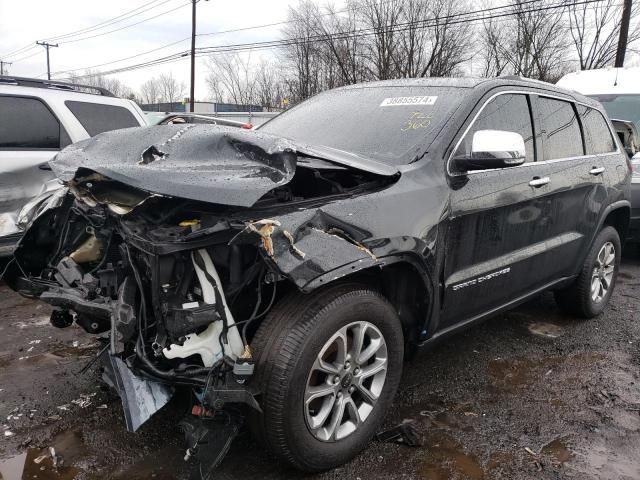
<point x="192" y="90"/>
<point x="2" y="64"/>
<point x="47" y="46"/>
<point x="624" y="34"/>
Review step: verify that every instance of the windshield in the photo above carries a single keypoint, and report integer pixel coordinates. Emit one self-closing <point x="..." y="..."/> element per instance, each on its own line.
<point x="388" y="124"/>
<point x="621" y="107"/>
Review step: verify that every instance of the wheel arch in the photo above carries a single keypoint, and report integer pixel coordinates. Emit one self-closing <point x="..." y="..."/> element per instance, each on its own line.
<point x="403" y="279"/>
<point x="618" y="218"/>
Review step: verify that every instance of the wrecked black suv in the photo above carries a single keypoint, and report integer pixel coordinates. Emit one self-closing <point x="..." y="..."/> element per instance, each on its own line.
<point x="283" y="274"/>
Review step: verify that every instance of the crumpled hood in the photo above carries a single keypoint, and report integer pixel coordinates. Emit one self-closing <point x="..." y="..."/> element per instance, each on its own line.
<point x="208" y="163"/>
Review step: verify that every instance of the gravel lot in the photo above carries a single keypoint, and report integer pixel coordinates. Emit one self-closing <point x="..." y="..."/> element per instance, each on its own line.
<point x="530" y="394"/>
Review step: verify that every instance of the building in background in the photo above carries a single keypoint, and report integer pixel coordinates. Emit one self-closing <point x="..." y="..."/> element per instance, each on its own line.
<point x="200" y="107"/>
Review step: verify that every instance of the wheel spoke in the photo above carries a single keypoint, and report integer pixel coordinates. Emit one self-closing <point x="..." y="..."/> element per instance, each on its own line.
<point x="341" y="344"/>
<point x="325" y="367"/>
<point x="376" y="367"/>
<point x="352" y="409"/>
<point x="595" y="288"/>
<point x="367" y="394"/>
<point x="319" y="392"/>
<point x="320" y="418"/>
<point x="370" y="351"/>
<point x="611" y="256"/>
<point x="358" y="341"/>
<point x="337" y="414"/>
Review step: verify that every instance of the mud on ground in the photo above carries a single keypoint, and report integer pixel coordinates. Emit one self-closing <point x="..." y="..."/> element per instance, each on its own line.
<point x="530" y="394"/>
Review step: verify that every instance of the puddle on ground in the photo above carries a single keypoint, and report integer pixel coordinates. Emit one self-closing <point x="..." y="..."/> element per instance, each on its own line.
<point x="515" y="374"/>
<point x="544" y="329"/>
<point x="66" y="351"/>
<point x="38" y="463"/>
<point x="557" y="449"/>
<point x="446" y="459"/>
<point x="160" y="465"/>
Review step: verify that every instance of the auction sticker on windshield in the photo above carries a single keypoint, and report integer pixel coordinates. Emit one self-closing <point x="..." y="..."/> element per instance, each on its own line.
<point x="398" y="101"/>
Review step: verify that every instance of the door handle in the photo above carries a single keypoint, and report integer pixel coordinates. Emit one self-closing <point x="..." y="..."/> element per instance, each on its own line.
<point x="596" y="170"/>
<point x="539" y="181"/>
<point x="44" y="166"/>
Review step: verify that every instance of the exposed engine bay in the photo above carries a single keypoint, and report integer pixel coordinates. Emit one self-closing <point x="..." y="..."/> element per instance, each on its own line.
<point x="178" y="285"/>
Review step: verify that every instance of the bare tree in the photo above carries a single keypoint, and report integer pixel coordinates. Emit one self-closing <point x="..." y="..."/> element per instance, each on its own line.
<point x="97" y="79"/>
<point x="382" y="19"/>
<point x="449" y="39"/>
<point x="269" y="90"/>
<point x="171" y="90"/>
<point x="304" y="54"/>
<point x="595" y="28"/>
<point x="342" y="50"/>
<point x="231" y="79"/>
<point x="532" y="42"/>
<point x="492" y="41"/>
<point x="150" y="91"/>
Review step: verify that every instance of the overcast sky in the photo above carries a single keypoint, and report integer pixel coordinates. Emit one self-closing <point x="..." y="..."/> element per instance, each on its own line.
<point x="22" y="22"/>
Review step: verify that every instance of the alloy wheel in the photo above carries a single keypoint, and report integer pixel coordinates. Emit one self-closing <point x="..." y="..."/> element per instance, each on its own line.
<point x="345" y="381"/>
<point x="603" y="271"/>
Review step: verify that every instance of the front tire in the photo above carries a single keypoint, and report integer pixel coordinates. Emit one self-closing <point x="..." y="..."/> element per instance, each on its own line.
<point x="589" y="295"/>
<point x="328" y="364"/>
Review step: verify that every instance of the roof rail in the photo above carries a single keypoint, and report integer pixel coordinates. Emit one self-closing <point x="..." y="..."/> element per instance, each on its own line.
<point x="55" y="85"/>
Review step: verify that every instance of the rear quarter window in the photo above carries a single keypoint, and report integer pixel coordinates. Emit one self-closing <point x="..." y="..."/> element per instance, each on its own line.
<point x="597" y="136"/>
<point x="97" y="118"/>
<point x="28" y="124"/>
<point x="561" y="132"/>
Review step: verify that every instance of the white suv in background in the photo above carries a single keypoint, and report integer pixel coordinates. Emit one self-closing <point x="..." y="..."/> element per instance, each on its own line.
<point x="37" y="119"/>
<point x="618" y="90"/>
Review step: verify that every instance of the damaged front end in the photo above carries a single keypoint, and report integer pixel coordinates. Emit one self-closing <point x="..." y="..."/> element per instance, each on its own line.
<point x="174" y="242"/>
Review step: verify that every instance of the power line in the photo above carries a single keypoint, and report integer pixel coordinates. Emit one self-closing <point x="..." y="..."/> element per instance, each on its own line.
<point x="99" y="26"/>
<point x="126" y="26"/>
<point x="344" y="35"/>
<point x="122" y="59"/>
<point x="108" y="22"/>
<point x="260" y="45"/>
<point x="16" y="60"/>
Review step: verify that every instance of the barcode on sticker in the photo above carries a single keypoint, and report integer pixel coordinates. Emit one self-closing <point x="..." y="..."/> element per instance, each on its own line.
<point x="395" y="101"/>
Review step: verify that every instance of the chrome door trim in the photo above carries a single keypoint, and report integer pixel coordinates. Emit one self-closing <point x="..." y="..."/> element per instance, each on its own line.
<point x="544" y="162"/>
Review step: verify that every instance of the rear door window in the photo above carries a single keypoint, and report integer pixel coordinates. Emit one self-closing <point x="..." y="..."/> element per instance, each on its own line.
<point x="597" y="136"/>
<point x="97" y="118"/>
<point x="561" y="131"/>
<point x="508" y="112"/>
<point x="28" y="124"/>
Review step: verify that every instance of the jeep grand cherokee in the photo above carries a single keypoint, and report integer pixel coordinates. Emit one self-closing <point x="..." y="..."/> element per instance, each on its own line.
<point x="281" y="274"/>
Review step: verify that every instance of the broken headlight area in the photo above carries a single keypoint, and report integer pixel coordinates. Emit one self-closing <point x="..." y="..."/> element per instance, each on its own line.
<point x="177" y="302"/>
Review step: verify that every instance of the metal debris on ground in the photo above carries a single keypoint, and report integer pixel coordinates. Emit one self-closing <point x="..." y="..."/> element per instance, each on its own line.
<point x="406" y="433"/>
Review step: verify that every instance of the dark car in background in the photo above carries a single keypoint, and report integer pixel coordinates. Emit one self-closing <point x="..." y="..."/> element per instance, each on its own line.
<point x="281" y="274"/>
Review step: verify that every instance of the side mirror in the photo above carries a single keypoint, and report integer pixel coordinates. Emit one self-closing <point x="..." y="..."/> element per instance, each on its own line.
<point x="493" y="149"/>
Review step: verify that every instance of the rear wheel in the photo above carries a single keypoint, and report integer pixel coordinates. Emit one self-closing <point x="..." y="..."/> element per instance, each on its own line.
<point x="329" y="365"/>
<point x="590" y="293"/>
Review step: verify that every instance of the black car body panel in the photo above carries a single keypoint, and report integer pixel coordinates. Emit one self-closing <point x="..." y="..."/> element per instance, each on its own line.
<point x="167" y="204"/>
